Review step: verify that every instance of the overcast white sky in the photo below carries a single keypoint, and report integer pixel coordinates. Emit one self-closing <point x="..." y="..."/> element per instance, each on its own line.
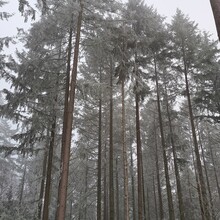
<point x="198" y="10"/>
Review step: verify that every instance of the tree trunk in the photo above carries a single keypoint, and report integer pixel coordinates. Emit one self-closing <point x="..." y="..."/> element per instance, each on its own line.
<point x="40" y="203"/>
<point x="68" y="69"/>
<point x="206" y="174"/>
<point x="71" y="210"/>
<point x="132" y="179"/>
<point x="117" y="191"/>
<point x="214" y="164"/>
<point x="148" y="204"/>
<point x="86" y="189"/>
<point x="155" y="199"/>
<point x="198" y="186"/>
<point x="49" y="171"/>
<point x="105" y="188"/>
<point x="139" y="149"/>
<point x="158" y="175"/>
<point x="125" y="159"/>
<point x="168" y="186"/>
<point x="67" y="124"/>
<point x="176" y="169"/>
<point x="139" y="165"/>
<point x="45" y="215"/>
<point x="205" y="211"/>
<point x="99" y="181"/>
<point x="144" y="196"/>
<point x="22" y="184"/>
<point x="111" y="150"/>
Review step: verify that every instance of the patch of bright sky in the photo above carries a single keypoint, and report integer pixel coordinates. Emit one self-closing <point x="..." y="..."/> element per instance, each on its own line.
<point x="9" y="27"/>
<point x="197" y="10"/>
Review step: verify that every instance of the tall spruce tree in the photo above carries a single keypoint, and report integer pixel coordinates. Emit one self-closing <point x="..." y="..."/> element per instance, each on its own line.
<point x="187" y="42"/>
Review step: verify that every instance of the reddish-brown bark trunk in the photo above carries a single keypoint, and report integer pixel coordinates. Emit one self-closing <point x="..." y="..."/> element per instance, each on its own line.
<point x="66" y="136"/>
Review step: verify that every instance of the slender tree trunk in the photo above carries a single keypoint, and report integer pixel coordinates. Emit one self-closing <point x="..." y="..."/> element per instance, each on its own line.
<point x="206" y="174"/>
<point x="105" y="186"/>
<point x="176" y="169"/>
<point x="68" y="69"/>
<point x="139" y="166"/>
<point x="168" y="186"/>
<point x="68" y="121"/>
<point x="111" y="150"/>
<point x="40" y="203"/>
<point x="205" y="202"/>
<point x="155" y="199"/>
<point x="117" y="191"/>
<point x="214" y="164"/>
<point x="22" y="184"/>
<point x="148" y="204"/>
<point x="49" y="171"/>
<point x="125" y="159"/>
<point x="144" y="194"/>
<point x="86" y="188"/>
<point x="158" y="175"/>
<point x="139" y="149"/>
<point x="71" y="210"/>
<point x="99" y="181"/>
<point x="132" y="180"/>
<point x="208" y="183"/>
<point x="188" y="182"/>
<point x="198" y="186"/>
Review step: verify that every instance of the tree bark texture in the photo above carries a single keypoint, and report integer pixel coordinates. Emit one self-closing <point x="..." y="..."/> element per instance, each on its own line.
<point x="205" y="211"/>
<point x="206" y="173"/>
<point x="198" y="187"/>
<point x="40" y="203"/>
<point x="117" y="211"/>
<point x="144" y="193"/>
<point x="105" y="188"/>
<point x="66" y="136"/>
<point x="22" y="184"/>
<point x="49" y="172"/>
<point x="158" y="175"/>
<point x="214" y="166"/>
<point x="168" y="186"/>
